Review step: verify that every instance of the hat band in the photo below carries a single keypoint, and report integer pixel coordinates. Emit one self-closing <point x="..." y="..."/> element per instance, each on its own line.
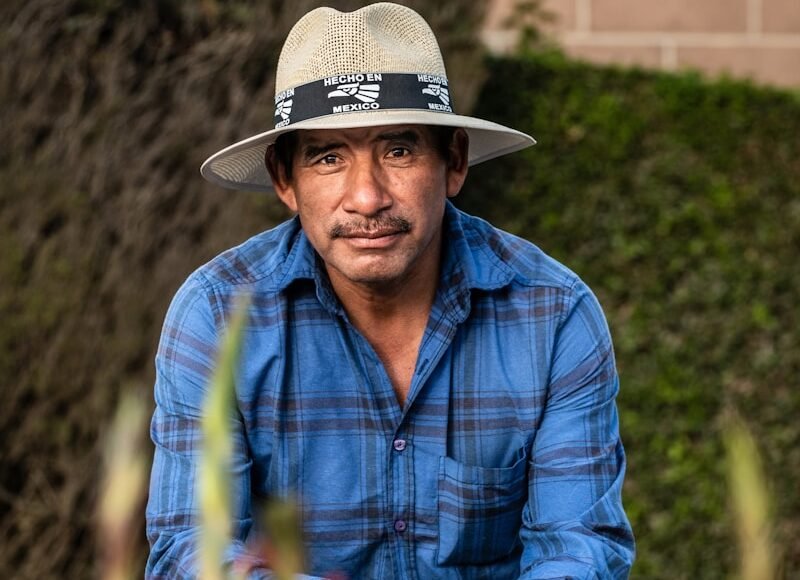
<point x="355" y="92"/>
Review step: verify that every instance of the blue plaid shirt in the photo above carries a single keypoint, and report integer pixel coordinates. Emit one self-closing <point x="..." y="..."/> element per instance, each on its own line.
<point x="504" y="462"/>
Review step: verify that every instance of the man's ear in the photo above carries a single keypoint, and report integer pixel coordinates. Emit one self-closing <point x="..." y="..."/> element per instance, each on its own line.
<point x="458" y="162"/>
<point x="280" y="181"/>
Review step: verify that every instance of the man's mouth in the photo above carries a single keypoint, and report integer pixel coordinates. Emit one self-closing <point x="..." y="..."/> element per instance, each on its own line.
<point x="379" y="228"/>
<point x="372" y="234"/>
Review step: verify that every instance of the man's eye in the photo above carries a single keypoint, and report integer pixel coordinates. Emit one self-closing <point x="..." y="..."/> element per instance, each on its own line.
<point x="398" y="152"/>
<point x="328" y="159"/>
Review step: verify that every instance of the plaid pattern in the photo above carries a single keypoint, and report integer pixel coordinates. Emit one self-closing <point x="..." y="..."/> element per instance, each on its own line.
<point x="505" y="462"/>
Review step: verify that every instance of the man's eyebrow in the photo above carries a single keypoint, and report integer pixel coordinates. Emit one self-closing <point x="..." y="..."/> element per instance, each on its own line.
<point x="311" y="150"/>
<point x="407" y="135"/>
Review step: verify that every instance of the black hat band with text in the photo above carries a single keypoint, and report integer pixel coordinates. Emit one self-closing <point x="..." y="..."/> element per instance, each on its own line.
<point x="356" y="92"/>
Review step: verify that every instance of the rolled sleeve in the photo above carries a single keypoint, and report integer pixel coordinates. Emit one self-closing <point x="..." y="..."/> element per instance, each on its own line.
<point x="574" y="525"/>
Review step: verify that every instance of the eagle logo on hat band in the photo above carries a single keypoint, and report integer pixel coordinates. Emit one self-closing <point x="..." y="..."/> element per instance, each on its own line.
<point x="284" y="109"/>
<point x="436" y="87"/>
<point x="364" y="93"/>
<point x="438" y="91"/>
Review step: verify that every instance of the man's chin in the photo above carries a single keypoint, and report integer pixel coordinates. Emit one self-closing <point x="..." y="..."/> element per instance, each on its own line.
<point x="375" y="279"/>
<point x="373" y="274"/>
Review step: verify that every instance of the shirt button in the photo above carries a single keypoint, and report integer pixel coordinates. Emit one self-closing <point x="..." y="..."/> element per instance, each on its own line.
<point x="399" y="444"/>
<point x="400" y="526"/>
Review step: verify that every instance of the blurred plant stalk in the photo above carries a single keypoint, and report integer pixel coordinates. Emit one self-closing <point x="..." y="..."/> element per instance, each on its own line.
<point x="214" y="477"/>
<point x="751" y="503"/>
<point x="123" y="491"/>
<point x="284" y="548"/>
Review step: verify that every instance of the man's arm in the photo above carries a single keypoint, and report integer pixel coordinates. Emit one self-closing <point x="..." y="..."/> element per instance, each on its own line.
<point x="184" y="362"/>
<point x="574" y="525"/>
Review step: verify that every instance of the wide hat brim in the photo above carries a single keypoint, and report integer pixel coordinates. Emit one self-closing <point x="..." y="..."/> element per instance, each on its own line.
<point x="242" y="166"/>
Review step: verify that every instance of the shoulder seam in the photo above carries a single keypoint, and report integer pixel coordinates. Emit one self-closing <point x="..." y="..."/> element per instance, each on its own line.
<point x="210" y="291"/>
<point x="570" y="279"/>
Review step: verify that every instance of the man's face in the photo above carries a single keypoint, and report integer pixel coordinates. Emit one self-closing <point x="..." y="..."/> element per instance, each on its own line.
<point x="371" y="200"/>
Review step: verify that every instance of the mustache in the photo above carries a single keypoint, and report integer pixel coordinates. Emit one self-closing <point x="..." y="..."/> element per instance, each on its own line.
<point x="382" y="225"/>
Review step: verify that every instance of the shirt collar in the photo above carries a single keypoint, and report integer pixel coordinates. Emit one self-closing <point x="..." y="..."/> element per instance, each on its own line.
<point x="468" y="262"/>
<point x="303" y="263"/>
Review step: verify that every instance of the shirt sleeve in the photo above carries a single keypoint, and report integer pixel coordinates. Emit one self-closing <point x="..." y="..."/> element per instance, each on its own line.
<point x="574" y="525"/>
<point x="184" y="362"/>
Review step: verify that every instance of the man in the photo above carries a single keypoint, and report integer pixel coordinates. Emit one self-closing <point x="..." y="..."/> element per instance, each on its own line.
<point x="437" y="393"/>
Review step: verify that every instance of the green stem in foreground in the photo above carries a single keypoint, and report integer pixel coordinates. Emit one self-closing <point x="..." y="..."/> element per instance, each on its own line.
<point x="751" y="503"/>
<point x="124" y="489"/>
<point x="214" y="478"/>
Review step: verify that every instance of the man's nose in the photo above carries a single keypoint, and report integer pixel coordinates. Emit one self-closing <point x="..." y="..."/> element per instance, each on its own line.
<point x="367" y="193"/>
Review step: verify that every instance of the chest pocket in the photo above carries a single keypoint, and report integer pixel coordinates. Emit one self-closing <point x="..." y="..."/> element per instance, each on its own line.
<point x="479" y="510"/>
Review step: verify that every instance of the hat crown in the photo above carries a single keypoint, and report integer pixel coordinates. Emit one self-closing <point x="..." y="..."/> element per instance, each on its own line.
<point x="382" y="37"/>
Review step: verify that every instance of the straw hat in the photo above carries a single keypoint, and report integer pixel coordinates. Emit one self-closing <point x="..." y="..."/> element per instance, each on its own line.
<point x="380" y="65"/>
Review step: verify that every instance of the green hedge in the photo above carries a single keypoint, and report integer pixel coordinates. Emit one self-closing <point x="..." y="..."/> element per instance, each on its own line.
<point x="678" y="201"/>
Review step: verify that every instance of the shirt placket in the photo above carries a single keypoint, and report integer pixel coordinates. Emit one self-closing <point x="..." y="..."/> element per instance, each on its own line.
<point x="379" y="390"/>
<point x="402" y="459"/>
<point x="399" y="489"/>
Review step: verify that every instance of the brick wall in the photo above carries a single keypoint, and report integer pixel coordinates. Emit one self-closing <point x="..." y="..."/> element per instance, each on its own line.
<point x="757" y="39"/>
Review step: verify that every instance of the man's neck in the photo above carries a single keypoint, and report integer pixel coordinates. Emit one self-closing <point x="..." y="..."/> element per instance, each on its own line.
<point x="368" y="304"/>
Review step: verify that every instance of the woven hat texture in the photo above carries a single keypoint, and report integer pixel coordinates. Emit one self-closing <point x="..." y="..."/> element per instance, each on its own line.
<point x="382" y="38"/>
<point x="379" y="38"/>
